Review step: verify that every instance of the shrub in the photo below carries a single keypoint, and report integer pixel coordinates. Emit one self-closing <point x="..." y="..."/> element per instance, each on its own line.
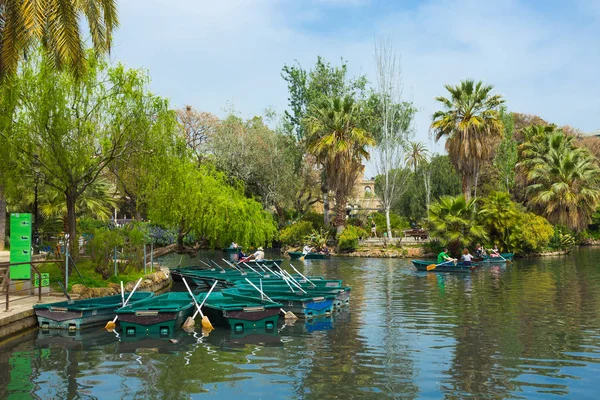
<point x="398" y="223"/>
<point x="294" y="234"/>
<point x="128" y="241"/>
<point x="316" y="219"/>
<point x="348" y="239"/>
<point x="533" y="234"/>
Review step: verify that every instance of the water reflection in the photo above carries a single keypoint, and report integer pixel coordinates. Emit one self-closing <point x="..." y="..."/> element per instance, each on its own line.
<point x="527" y="329"/>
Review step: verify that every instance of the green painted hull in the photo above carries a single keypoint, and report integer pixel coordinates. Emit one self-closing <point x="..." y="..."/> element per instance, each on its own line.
<point x="295" y="255"/>
<point x="240" y="315"/>
<point x="304" y="306"/>
<point x="79" y="314"/>
<point x="495" y="260"/>
<point x="160" y="315"/>
<point x="341" y="294"/>
<point x="421" y="265"/>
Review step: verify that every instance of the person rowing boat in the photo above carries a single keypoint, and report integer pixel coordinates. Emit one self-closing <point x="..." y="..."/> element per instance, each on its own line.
<point x="444" y="258"/>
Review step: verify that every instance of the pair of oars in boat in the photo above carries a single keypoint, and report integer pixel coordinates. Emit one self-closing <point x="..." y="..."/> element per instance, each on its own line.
<point x="205" y="321"/>
<point x="110" y="325"/>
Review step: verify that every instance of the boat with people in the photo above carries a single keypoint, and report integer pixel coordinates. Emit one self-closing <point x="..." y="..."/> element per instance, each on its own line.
<point x="159" y="315"/>
<point x="495" y="258"/>
<point x="296" y="255"/>
<point x="448" y="266"/>
<point x="78" y="314"/>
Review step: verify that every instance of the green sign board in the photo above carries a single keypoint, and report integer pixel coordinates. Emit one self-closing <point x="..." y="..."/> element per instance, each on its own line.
<point x="20" y="245"/>
<point x="45" y="280"/>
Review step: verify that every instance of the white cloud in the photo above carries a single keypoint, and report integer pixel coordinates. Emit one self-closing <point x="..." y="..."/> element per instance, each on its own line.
<point x="210" y="53"/>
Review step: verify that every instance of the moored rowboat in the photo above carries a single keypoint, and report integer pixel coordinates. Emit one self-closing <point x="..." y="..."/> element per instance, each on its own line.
<point x="158" y="315"/>
<point x="78" y="314"/>
<point x="240" y="315"/>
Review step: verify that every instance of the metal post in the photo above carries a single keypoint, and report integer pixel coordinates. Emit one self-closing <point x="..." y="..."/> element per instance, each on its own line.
<point x="66" y="265"/>
<point x="7" y="280"/>
<point x="115" y="260"/>
<point x="151" y="256"/>
<point x="144" y="258"/>
<point x="39" y="285"/>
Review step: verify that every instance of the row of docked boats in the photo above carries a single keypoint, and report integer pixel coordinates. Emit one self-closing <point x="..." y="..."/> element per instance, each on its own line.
<point x="449" y="266"/>
<point x="244" y="298"/>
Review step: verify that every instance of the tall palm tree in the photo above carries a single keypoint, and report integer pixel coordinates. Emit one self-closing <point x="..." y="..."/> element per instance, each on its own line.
<point x="336" y="137"/>
<point x="55" y="25"/>
<point x="562" y="179"/>
<point x="417" y="155"/>
<point x="469" y="121"/>
<point x="453" y="221"/>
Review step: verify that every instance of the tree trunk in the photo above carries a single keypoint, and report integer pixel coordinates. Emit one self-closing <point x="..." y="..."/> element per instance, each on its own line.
<point x="2" y="218"/>
<point x="326" y="208"/>
<point x="340" y="212"/>
<point x="387" y="222"/>
<point x="466" y="186"/>
<point x="70" y="195"/>
<point x="180" y="235"/>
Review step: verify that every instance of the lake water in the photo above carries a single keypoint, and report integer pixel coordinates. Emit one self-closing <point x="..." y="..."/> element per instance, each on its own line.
<point x="527" y="330"/>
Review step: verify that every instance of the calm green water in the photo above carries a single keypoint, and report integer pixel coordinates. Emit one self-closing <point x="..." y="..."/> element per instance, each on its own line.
<point x="529" y="330"/>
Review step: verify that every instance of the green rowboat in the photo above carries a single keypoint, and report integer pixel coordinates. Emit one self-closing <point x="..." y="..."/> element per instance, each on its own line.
<point x="240" y="315"/>
<point x="159" y="315"/>
<point x="303" y="305"/>
<point x="421" y="265"/>
<point x="295" y="255"/>
<point x="78" y="314"/>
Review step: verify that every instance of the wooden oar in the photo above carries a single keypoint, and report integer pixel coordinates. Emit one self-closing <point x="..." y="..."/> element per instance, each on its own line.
<point x="299" y="273"/>
<point x="205" y="321"/>
<point x="505" y="260"/>
<point x="191" y="320"/>
<point x="110" y="325"/>
<point x="434" y="266"/>
<point x="287" y="314"/>
<point x="122" y="294"/>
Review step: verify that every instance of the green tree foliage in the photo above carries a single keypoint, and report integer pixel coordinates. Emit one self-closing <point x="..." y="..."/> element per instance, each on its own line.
<point x="129" y="243"/>
<point x="444" y="181"/>
<point x="308" y="87"/>
<point x="75" y="128"/>
<point x="202" y="202"/>
<point x="507" y="153"/>
<point x="295" y="234"/>
<point x="417" y="155"/>
<point x="453" y="221"/>
<point x="56" y="26"/>
<point x="499" y="215"/>
<point x="266" y="161"/>
<point x="336" y="137"/>
<point x="562" y="180"/>
<point x="531" y="234"/>
<point x="470" y="122"/>
<point x="348" y="239"/>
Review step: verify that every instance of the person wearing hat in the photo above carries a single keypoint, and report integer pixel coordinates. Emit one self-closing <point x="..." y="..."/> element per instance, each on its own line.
<point x="259" y="254"/>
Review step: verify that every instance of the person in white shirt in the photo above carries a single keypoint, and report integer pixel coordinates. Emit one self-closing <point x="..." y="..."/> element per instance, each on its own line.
<point x="259" y="254"/>
<point x="466" y="257"/>
<point x="306" y="249"/>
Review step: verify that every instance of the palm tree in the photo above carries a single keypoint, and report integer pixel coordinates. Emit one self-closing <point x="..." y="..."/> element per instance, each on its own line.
<point x="55" y="24"/>
<point x="562" y="179"/>
<point x="336" y="137"/>
<point x="499" y="214"/>
<point x="417" y="155"/>
<point x="470" y="121"/>
<point x="452" y="220"/>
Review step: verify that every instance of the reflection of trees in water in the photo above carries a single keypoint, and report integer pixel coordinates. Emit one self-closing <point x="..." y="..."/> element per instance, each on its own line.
<point x="365" y="354"/>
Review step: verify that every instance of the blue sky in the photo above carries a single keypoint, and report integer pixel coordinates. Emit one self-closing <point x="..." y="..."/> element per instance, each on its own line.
<point x="542" y="56"/>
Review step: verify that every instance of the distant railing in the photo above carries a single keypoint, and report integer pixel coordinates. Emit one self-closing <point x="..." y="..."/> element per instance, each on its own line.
<point x="5" y="275"/>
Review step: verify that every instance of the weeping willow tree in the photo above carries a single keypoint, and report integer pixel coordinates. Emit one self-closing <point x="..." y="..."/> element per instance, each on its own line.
<point x="200" y="201"/>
